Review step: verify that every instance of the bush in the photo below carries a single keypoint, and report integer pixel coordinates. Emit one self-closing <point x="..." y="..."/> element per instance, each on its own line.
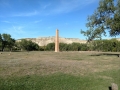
<point x="28" y="45"/>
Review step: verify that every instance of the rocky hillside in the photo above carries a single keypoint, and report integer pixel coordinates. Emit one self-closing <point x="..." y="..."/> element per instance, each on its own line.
<point x="41" y="41"/>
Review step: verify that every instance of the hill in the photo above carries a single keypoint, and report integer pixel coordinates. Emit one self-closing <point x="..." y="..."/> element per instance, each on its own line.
<point x="41" y="41"/>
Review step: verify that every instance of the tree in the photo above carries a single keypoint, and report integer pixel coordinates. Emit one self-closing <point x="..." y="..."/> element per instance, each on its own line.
<point x="0" y="40"/>
<point x="28" y="45"/>
<point x="63" y="46"/>
<point x="6" y="40"/>
<point x="105" y="17"/>
<point x="83" y="47"/>
<point x="11" y="44"/>
<point x="76" y="46"/>
<point x="105" y="45"/>
<point x="50" y="47"/>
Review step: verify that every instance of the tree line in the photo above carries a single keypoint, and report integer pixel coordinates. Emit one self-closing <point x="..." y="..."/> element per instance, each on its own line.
<point x="105" y="45"/>
<point x="7" y="43"/>
<point x="112" y="45"/>
<point x="66" y="47"/>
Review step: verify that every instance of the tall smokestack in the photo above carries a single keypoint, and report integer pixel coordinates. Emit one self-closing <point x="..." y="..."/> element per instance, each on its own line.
<point x="57" y="41"/>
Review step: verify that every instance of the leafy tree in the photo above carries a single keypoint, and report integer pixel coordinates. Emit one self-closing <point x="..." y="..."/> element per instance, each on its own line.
<point x="84" y="47"/>
<point x="28" y="45"/>
<point x="105" y="17"/>
<point x="6" y="41"/>
<point x="112" y="45"/>
<point x="0" y="40"/>
<point x="11" y="44"/>
<point x="67" y="47"/>
<point x="63" y="47"/>
<point x="106" y="45"/>
<point x="75" y="46"/>
<point x="50" y="47"/>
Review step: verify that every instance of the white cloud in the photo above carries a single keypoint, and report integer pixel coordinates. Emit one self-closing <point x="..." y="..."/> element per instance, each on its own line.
<point x="65" y="6"/>
<point x="6" y="21"/>
<point x="46" y="5"/>
<point x="37" y="21"/>
<point x="53" y="7"/>
<point x="14" y="30"/>
<point x="87" y="2"/>
<point x="26" y="14"/>
<point x="18" y="29"/>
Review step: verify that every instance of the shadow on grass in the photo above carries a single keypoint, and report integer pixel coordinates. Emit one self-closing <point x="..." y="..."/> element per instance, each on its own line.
<point x="110" y="88"/>
<point x="108" y="54"/>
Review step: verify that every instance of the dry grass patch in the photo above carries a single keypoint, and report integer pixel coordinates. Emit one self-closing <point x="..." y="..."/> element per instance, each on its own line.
<point x="42" y="63"/>
<point x="58" y="71"/>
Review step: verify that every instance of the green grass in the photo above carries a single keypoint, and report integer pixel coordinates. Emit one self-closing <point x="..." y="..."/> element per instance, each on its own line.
<point x="58" y="71"/>
<point x="60" y="81"/>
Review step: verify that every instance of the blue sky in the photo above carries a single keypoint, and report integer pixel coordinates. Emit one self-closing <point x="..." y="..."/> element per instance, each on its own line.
<point x="41" y="18"/>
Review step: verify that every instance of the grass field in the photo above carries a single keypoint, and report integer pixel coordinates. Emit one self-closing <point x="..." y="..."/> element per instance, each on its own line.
<point x="59" y="71"/>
